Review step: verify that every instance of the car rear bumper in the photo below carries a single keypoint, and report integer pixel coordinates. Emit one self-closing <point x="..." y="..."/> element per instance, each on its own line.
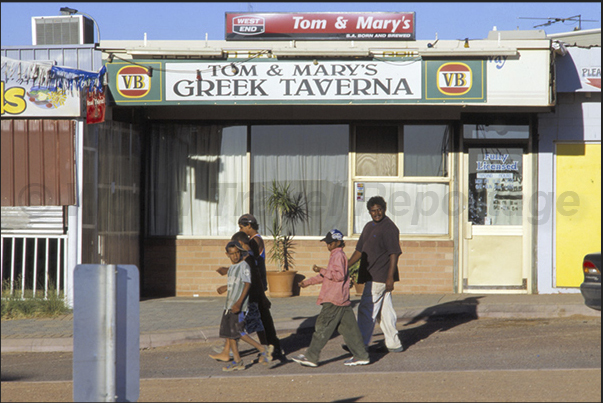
<point x="592" y="294"/>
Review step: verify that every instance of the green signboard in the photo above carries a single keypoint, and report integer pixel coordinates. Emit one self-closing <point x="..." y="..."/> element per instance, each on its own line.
<point x="447" y="81"/>
<point x="404" y="80"/>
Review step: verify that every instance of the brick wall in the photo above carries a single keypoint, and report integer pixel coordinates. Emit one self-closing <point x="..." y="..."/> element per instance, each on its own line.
<point x="186" y="267"/>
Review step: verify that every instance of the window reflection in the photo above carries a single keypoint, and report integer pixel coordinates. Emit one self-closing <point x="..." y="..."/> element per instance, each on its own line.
<point x="495" y="186"/>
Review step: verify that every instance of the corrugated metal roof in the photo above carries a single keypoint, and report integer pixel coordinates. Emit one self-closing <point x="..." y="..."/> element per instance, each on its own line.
<point x="33" y="220"/>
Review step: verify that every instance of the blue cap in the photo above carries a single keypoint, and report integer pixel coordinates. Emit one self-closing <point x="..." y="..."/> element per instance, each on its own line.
<point x="333" y="235"/>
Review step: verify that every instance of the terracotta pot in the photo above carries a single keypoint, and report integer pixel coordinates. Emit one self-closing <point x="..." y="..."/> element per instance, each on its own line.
<point x="280" y="283"/>
<point x="359" y="289"/>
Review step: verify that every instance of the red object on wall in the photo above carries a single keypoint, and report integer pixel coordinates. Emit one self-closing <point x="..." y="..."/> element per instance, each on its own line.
<point x="95" y="106"/>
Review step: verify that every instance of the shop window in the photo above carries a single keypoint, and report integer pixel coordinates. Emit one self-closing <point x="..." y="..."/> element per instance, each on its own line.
<point x="377" y="151"/>
<point x="313" y="160"/>
<point x="201" y="178"/>
<point x="197" y="179"/>
<point x="495" y="186"/>
<point x="426" y="150"/>
<point x="416" y="208"/>
<point x="417" y="194"/>
<point x="496" y="132"/>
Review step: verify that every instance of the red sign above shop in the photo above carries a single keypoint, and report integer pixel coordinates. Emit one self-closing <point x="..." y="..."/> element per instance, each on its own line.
<point x="320" y="26"/>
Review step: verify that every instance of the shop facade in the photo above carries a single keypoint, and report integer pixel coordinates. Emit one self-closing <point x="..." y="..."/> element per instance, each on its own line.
<point x="486" y="151"/>
<point x="569" y="181"/>
<point x="445" y="133"/>
<point x="68" y="181"/>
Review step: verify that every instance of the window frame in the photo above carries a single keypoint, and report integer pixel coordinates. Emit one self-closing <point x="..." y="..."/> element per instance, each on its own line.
<point x="400" y="177"/>
<point x="352" y="178"/>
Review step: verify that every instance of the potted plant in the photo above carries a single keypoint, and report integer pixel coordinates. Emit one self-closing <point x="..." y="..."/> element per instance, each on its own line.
<point x="353" y="273"/>
<point x="288" y="210"/>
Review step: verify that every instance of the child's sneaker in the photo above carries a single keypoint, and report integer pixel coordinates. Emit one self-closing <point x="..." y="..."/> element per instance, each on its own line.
<point x="303" y="360"/>
<point x="354" y="361"/>
<point x="234" y="366"/>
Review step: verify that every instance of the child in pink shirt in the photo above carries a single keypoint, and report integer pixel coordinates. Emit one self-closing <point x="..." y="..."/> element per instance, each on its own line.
<point x="336" y="311"/>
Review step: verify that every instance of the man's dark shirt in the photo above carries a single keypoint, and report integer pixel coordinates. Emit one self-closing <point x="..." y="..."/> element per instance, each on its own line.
<point x="377" y="242"/>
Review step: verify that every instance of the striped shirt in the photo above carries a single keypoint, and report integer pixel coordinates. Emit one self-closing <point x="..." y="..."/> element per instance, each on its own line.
<point x="238" y="275"/>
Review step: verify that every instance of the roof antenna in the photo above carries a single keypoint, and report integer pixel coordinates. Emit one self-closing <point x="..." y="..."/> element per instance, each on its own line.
<point x="553" y="20"/>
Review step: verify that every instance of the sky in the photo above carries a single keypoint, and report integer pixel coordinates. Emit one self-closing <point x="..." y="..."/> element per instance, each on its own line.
<point x="193" y="20"/>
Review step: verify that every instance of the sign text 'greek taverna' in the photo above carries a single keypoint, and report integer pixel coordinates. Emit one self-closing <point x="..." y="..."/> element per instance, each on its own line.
<point x="288" y="81"/>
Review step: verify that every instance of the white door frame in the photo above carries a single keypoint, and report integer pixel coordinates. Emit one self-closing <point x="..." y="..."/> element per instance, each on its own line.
<point x="467" y="230"/>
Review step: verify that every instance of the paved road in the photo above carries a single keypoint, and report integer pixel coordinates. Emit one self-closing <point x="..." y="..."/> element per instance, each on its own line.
<point x="456" y="358"/>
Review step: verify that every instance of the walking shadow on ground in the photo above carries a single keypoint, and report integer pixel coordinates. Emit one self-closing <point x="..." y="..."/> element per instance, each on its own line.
<point x="439" y="318"/>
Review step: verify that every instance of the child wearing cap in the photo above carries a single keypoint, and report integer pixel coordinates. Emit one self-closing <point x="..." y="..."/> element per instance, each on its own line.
<point x="336" y="311"/>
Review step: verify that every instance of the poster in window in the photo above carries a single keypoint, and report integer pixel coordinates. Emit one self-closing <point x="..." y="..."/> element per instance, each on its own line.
<point x="95" y="106"/>
<point x="495" y="186"/>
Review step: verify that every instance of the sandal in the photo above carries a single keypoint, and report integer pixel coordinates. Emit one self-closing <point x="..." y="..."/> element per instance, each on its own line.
<point x="266" y="356"/>
<point x="234" y="366"/>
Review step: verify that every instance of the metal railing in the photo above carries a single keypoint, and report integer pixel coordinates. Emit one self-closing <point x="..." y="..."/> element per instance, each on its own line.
<point x="33" y="262"/>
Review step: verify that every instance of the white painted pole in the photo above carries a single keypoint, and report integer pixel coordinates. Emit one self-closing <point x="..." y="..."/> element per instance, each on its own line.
<point x="110" y="332"/>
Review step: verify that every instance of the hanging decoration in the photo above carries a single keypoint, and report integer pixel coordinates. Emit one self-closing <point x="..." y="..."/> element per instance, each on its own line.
<point x="68" y="78"/>
<point x="45" y="74"/>
<point x="25" y="70"/>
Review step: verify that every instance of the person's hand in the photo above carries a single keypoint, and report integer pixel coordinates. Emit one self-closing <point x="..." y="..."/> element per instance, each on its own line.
<point x="389" y="285"/>
<point x="236" y="308"/>
<point x="302" y="284"/>
<point x="222" y="289"/>
<point x="222" y="271"/>
<point x="316" y="269"/>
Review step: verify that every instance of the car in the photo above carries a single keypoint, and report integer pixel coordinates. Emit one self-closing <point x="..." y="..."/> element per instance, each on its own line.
<point x="591" y="287"/>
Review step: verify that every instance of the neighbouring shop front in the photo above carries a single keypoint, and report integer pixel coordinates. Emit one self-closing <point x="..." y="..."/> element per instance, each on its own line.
<point x="69" y="177"/>
<point x="444" y="133"/>
<point x="569" y="183"/>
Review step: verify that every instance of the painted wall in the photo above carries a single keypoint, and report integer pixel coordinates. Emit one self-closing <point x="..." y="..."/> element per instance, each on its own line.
<point x="575" y="121"/>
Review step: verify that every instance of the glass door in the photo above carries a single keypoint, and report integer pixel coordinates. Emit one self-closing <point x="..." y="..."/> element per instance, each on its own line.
<point x="495" y="234"/>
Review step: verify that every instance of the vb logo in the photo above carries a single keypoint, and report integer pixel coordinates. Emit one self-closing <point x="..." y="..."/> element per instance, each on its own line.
<point x="454" y="79"/>
<point x="133" y="81"/>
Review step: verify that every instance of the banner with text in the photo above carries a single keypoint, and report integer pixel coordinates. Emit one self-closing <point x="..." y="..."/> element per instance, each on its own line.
<point x="267" y="81"/>
<point x="321" y="26"/>
<point x="25" y="99"/>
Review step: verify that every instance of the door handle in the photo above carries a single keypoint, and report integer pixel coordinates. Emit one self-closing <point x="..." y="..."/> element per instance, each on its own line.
<point x="468" y="230"/>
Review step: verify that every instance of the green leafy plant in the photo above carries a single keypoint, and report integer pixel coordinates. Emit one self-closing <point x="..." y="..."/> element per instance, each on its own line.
<point x="288" y="209"/>
<point x="19" y="304"/>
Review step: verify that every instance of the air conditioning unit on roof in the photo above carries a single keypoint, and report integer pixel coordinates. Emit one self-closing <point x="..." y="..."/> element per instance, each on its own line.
<point x="62" y="30"/>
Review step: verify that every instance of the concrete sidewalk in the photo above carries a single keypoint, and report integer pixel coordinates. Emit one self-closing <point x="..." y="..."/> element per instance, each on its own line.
<point x="175" y="320"/>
